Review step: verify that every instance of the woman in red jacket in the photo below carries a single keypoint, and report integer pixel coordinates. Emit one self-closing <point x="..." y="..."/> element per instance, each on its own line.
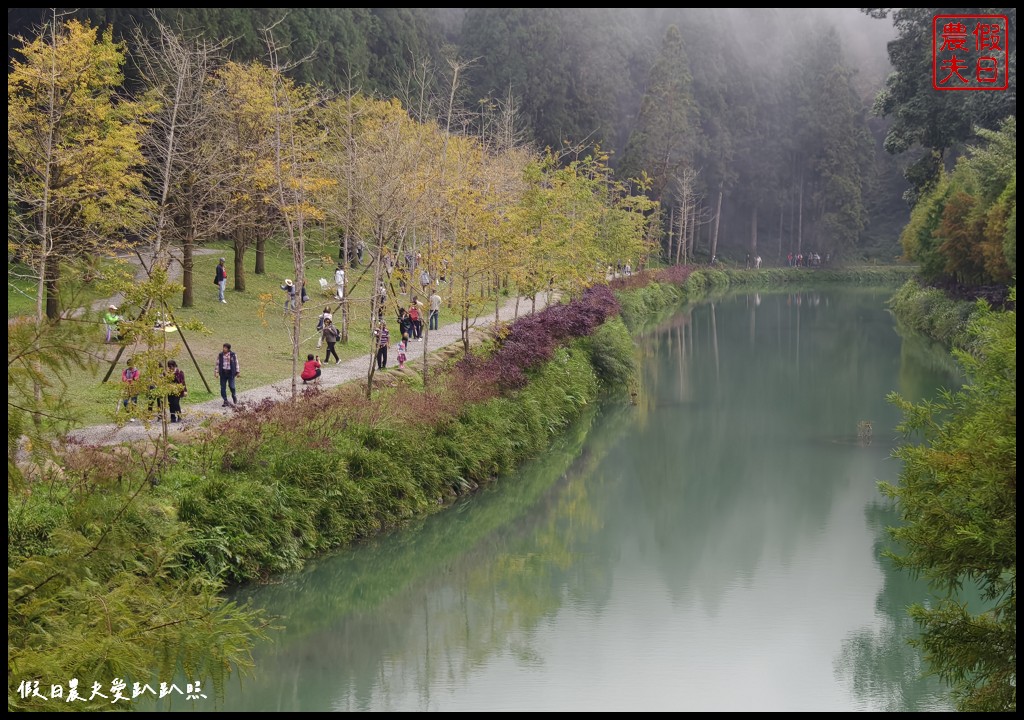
<point x="311" y="370"/>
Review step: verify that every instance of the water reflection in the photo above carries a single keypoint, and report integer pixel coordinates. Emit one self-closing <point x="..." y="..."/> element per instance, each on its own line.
<point x="705" y="548"/>
<point x="878" y="664"/>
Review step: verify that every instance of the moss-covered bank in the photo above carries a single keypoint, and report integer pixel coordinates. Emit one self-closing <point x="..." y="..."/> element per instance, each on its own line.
<point x="303" y="490"/>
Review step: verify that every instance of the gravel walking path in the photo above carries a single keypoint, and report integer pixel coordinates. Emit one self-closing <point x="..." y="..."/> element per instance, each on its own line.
<point x="332" y="376"/>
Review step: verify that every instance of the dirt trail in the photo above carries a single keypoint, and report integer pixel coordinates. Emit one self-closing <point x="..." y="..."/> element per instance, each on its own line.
<point x="333" y="375"/>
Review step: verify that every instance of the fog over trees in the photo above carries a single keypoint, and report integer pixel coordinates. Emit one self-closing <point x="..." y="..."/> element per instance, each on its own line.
<point x="767" y="92"/>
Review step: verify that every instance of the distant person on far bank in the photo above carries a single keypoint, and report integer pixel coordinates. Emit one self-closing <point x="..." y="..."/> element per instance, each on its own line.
<point x="227" y="370"/>
<point x="220" y="279"/>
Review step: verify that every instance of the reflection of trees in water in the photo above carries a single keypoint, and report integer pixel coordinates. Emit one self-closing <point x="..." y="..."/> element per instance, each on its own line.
<point x="922" y="360"/>
<point x="878" y="664"/>
<point x="388" y="621"/>
<point x="727" y="465"/>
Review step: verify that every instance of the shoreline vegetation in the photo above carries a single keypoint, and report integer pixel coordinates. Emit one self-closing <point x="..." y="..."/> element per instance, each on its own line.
<point x="932" y="313"/>
<point x="279" y="483"/>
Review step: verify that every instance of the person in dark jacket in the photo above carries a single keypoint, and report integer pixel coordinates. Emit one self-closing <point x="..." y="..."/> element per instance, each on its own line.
<point x="177" y="376"/>
<point x="220" y="279"/>
<point x="227" y="370"/>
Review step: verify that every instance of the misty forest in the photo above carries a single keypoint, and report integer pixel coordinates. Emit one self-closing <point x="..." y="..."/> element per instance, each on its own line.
<point x="754" y="127"/>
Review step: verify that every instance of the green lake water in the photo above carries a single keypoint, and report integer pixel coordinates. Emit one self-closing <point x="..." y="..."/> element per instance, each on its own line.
<point x="715" y="546"/>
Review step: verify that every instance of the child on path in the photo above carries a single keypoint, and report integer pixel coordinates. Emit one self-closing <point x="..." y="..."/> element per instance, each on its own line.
<point x="402" y="346"/>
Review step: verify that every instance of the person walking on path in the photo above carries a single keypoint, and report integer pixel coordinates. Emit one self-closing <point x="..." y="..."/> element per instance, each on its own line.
<point x="220" y="279"/>
<point x="321" y="322"/>
<point x="110" y="321"/>
<point x="130" y="380"/>
<point x="176" y="393"/>
<point x="330" y="335"/>
<point x="402" y="346"/>
<point x="383" y="341"/>
<point x="227" y="370"/>
<point x="435" y="310"/>
<point x="404" y="322"/>
<point x="339" y="281"/>
<point x="414" y="317"/>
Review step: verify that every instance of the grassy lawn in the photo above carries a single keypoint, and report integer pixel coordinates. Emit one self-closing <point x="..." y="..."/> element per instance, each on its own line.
<point x="21" y="290"/>
<point x="255" y="324"/>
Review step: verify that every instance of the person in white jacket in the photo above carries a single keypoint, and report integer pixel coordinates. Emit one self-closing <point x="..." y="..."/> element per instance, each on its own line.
<point x="339" y="282"/>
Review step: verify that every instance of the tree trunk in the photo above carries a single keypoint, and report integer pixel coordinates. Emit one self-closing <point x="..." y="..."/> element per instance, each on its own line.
<point x="240" y="244"/>
<point x="374" y="307"/>
<point x="671" y="231"/>
<point x="298" y="254"/>
<point x="800" y="214"/>
<point x="681" y="241"/>
<point x="51" y="278"/>
<point x="261" y="255"/>
<point x="692" y="242"/>
<point x="753" y="233"/>
<point x="782" y="211"/>
<point x="186" y="270"/>
<point x="718" y="219"/>
<point x="465" y="313"/>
